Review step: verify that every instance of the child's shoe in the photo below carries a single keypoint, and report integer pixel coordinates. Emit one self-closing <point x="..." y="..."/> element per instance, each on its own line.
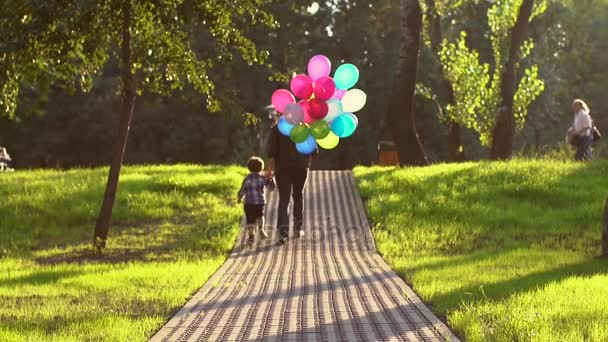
<point x="283" y="240"/>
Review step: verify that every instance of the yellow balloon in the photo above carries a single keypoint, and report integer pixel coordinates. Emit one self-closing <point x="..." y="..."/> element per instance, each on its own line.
<point x="329" y="142"/>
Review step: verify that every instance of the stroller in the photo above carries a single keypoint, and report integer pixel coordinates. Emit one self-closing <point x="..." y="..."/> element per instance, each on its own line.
<point x="5" y="160"/>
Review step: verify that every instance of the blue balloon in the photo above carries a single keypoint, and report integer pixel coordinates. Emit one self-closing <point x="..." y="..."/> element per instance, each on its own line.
<point x="346" y="76"/>
<point x="308" y="146"/>
<point x="284" y="126"/>
<point x="344" y="125"/>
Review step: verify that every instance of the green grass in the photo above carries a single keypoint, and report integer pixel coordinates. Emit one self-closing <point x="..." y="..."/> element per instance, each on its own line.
<point x="505" y="251"/>
<point x="173" y="227"/>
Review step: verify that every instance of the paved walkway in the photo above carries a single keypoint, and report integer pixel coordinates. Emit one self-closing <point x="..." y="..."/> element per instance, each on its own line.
<point x="329" y="286"/>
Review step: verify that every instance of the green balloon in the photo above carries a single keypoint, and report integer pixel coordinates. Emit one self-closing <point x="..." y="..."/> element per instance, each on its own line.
<point x="329" y="142"/>
<point x="299" y="134"/>
<point x="319" y="129"/>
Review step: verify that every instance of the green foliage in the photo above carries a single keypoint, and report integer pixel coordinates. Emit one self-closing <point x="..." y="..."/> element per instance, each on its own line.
<point x="501" y="19"/>
<point x="362" y="33"/>
<point x="443" y="9"/>
<point x="469" y="78"/>
<point x="175" y="225"/>
<point x="60" y="128"/>
<point x="427" y="93"/>
<point x="530" y="87"/>
<point x="44" y="41"/>
<point x="504" y="250"/>
<point x="568" y="39"/>
<point x="70" y="42"/>
<point x="477" y="86"/>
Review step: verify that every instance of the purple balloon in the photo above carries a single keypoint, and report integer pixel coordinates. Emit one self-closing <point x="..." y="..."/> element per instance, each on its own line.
<point x="339" y="94"/>
<point x="294" y="113"/>
<point x="281" y="98"/>
<point x="301" y="86"/>
<point x="319" y="66"/>
<point x="324" y="88"/>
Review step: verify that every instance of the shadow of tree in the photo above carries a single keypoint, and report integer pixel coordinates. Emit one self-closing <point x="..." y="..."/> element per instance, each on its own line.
<point x="40" y="277"/>
<point x="503" y="289"/>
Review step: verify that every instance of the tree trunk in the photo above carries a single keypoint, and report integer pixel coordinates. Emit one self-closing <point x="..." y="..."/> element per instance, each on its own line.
<point x="455" y="147"/>
<point x="445" y="88"/>
<point x="128" y="103"/>
<point x="605" y="232"/>
<point x="538" y="140"/>
<point x="504" y="129"/>
<point x="400" y="116"/>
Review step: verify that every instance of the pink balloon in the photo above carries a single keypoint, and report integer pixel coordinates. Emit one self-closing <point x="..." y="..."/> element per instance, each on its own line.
<point x="301" y="86"/>
<point x="318" y="109"/>
<point x="319" y="66"/>
<point x="306" y="107"/>
<point x="339" y="94"/>
<point x="281" y="98"/>
<point x="324" y="88"/>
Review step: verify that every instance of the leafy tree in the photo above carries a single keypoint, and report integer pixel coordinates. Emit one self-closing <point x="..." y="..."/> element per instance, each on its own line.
<point x="514" y="99"/>
<point x="70" y="42"/>
<point x="568" y="40"/>
<point x="57" y="125"/>
<point x="433" y="23"/>
<point x="487" y="98"/>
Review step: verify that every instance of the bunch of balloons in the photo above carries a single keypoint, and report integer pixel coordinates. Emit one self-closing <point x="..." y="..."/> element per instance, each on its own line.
<point x="324" y="112"/>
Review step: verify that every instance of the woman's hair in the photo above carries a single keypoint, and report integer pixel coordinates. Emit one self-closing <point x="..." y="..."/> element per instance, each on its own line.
<point x="255" y="164"/>
<point x="581" y="103"/>
<point x="274" y="119"/>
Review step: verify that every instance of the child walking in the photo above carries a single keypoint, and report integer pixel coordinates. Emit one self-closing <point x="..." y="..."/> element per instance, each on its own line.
<point x="252" y="190"/>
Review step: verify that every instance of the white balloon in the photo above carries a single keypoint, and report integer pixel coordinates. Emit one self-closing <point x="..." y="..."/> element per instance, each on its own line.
<point x="335" y="109"/>
<point x="353" y="100"/>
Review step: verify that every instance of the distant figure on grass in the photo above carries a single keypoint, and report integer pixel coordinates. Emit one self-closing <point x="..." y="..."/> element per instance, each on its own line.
<point x="290" y="169"/>
<point x="252" y="190"/>
<point x="5" y="159"/>
<point x="581" y="134"/>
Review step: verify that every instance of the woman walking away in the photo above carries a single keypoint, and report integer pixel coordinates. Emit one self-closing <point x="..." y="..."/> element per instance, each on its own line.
<point x="290" y="170"/>
<point x="580" y="134"/>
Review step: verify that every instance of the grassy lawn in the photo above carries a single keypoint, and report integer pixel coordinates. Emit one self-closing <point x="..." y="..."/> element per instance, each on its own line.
<point x="504" y="250"/>
<point x="173" y="227"/>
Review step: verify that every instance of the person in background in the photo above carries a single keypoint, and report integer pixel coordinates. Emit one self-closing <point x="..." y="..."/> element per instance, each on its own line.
<point x="252" y="191"/>
<point x="580" y="134"/>
<point x="5" y="159"/>
<point x="290" y="169"/>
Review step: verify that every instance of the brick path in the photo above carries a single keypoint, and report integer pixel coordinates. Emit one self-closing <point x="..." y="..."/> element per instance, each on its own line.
<point x="329" y="286"/>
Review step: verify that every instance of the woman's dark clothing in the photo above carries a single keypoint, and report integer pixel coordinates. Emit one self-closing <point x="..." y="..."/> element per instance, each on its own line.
<point x="284" y="152"/>
<point x="291" y="183"/>
<point x="291" y="170"/>
<point x="583" y="147"/>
